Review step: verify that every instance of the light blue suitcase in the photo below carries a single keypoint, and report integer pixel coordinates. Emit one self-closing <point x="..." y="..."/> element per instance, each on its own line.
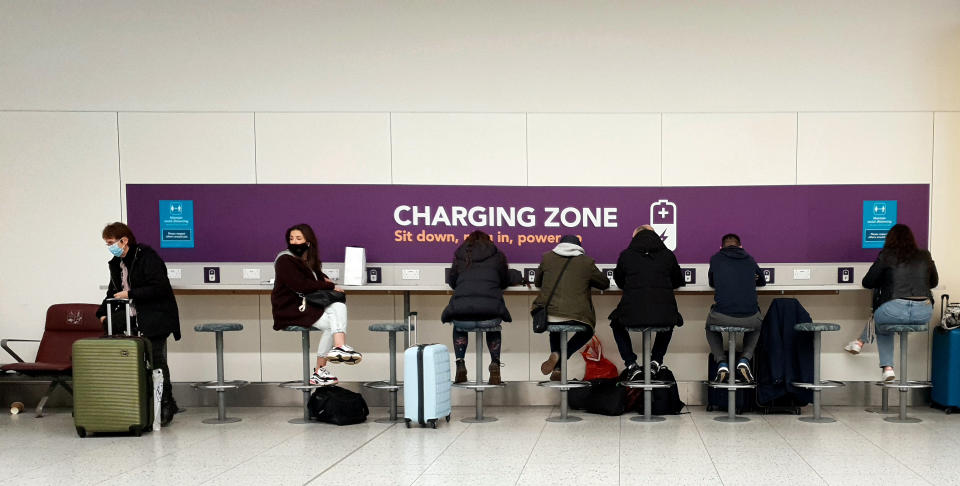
<point x="426" y="384"/>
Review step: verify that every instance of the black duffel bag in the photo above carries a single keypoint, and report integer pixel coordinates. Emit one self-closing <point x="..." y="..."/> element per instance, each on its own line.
<point x="323" y="298"/>
<point x="666" y="401"/>
<point x="604" y="396"/>
<point x="335" y="405"/>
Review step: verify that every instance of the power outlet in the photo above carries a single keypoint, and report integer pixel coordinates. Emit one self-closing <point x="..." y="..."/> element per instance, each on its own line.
<point x="251" y="274"/>
<point x="801" y="274"/>
<point x="769" y="274"/>
<point x="529" y="275"/>
<point x="410" y="274"/>
<point x="609" y="273"/>
<point x="845" y="275"/>
<point x="174" y="273"/>
<point x="374" y="275"/>
<point x="689" y="275"/>
<point x="211" y="274"/>
<point x="332" y="273"/>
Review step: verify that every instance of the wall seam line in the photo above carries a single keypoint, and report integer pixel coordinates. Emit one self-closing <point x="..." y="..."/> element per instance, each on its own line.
<point x="119" y="163"/>
<point x="256" y="170"/>
<point x="796" y="150"/>
<point x="390" y="136"/>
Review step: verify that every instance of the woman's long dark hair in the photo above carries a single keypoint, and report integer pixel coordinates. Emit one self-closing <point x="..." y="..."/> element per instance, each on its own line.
<point x="900" y="243"/>
<point x="310" y="257"/>
<point x="477" y="239"/>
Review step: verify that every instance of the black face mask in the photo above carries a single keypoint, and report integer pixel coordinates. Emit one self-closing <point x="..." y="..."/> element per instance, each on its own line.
<point x="298" y="250"/>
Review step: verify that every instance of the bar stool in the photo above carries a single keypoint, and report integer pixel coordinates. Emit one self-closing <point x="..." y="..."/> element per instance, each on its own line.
<point x="731" y="386"/>
<point x="816" y="328"/>
<point x="391" y="384"/>
<point x="647" y="384"/>
<point x="903" y="385"/>
<point x="304" y="385"/>
<point x="563" y="385"/>
<point x="220" y="386"/>
<point x="478" y="386"/>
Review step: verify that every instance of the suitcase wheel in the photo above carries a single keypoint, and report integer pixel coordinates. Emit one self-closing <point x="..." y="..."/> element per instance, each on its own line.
<point x="448" y="419"/>
<point x="433" y="423"/>
<point x="949" y="410"/>
<point x="408" y="423"/>
<point x="136" y="430"/>
<point x="82" y="432"/>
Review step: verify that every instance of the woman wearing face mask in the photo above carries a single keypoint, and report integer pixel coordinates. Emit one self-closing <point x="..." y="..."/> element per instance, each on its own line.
<point x="298" y="273"/>
<point x="137" y="272"/>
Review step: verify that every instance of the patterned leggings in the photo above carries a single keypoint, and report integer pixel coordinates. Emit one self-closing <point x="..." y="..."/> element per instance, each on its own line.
<point x="461" y="339"/>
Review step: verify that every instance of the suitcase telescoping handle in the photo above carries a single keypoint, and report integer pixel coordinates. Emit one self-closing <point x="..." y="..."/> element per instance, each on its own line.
<point x="127" y="303"/>
<point x="944" y="301"/>
<point x="412" y="326"/>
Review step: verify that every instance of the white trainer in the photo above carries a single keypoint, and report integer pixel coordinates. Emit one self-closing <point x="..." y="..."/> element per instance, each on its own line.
<point x="323" y="377"/>
<point x="888" y="375"/>
<point x="344" y="354"/>
<point x="853" y="347"/>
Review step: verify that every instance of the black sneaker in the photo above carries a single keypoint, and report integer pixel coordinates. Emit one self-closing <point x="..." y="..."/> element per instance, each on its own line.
<point x="633" y="373"/>
<point x="654" y="367"/>
<point x="723" y="373"/>
<point x="743" y="372"/>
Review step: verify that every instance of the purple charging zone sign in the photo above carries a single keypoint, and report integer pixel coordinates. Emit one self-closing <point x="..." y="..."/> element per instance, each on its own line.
<point x="424" y="224"/>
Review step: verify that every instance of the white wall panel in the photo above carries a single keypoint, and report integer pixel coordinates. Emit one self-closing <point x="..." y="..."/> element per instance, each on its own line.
<point x="207" y="148"/>
<point x="944" y="228"/>
<point x="323" y="148"/>
<point x="864" y="148"/>
<point x="594" y="149"/>
<point x="59" y="185"/>
<point x="194" y="358"/>
<point x="468" y="149"/>
<point x="729" y="149"/>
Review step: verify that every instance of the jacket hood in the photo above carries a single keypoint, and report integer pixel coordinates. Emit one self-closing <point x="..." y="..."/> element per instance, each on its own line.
<point x="568" y="250"/>
<point x="647" y="241"/>
<point x="477" y="253"/>
<point x="282" y="253"/>
<point x="734" y="252"/>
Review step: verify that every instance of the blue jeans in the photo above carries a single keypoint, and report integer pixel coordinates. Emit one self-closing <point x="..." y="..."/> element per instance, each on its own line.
<point x="898" y="311"/>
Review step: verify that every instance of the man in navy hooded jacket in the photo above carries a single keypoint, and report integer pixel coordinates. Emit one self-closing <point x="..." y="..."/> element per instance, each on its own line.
<point x="735" y="276"/>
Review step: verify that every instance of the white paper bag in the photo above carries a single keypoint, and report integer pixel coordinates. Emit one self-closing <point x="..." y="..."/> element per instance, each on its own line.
<point x="354" y="266"/>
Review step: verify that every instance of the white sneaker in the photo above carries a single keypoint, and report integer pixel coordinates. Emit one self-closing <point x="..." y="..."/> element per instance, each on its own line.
<point x="853" y="347"/>
<point x="323" y="377"/>
<point x="344" y="354"/>
<point x="888" y="375"/>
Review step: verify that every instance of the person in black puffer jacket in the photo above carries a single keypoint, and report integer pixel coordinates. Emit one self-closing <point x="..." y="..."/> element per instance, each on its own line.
<point x="903" y="275"/>
<point x="647" y="272"/>
<point x="478" y="277"/>
<point x="138" y="273"/>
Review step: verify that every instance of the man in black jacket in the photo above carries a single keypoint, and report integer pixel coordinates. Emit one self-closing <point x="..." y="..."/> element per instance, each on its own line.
<point x="647" y="272"/>
<point x="735" y="276"/>
<point x="138" y="273"/>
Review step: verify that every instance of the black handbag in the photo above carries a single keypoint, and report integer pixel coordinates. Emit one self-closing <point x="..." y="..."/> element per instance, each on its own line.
<point x="335" y="405"/>
<point x="539" y="313"/>
<point x="323" y="298"/>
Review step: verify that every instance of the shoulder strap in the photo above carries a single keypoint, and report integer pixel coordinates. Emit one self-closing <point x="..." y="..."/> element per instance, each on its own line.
<point x="554" y="289"/>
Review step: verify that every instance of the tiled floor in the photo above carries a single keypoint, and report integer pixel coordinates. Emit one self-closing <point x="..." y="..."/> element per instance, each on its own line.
<point x="520" y="448"/>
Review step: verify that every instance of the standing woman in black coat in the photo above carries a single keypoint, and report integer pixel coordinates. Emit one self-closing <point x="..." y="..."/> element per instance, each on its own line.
<point x="478" y="277"/>
<point x="138" y="273"/>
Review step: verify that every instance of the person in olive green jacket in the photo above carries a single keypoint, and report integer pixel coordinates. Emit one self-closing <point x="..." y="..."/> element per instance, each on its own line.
<point x="572" y="301"/>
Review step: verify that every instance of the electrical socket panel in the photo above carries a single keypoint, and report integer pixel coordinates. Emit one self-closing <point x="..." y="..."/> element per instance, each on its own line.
<point x="251" y="274"/>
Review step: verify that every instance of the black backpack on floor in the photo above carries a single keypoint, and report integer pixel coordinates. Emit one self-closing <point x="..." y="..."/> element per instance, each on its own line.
<point x="666" y="401"/>
<point x="604" y="397"/>
<point x="335" y="405"/>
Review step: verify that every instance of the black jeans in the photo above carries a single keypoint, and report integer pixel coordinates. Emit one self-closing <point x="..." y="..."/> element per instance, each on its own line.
<point x="158" y="345"/>
<point x="577" y="341"/>
<point x="625" y="344"/>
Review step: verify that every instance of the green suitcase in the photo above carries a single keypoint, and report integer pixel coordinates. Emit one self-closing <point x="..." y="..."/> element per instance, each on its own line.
<point x="112" y="389"/>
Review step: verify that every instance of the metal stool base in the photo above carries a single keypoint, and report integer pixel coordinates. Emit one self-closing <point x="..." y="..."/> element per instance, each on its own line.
<point x="898" y="420"/>
<point x="814" y="420"/>
<point x="216" y="421"/>
<point x="880" y="410"/>
<point x="734" y="419"/>
<point x="482" y="420"/>
<point x="568" y="419"/>
<point x="652" y="418"/>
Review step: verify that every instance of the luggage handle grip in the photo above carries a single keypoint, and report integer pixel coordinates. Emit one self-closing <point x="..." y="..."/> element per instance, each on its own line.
<point x="127" y="303"/>
<point x="944" y="302"/>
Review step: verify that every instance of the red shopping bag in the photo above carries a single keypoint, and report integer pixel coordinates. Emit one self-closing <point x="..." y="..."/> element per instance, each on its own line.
<point x="597" y="365"/>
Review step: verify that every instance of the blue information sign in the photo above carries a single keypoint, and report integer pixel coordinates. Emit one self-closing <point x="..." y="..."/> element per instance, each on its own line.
<point x="176" y="224"/>
<point x="878" y="218"/>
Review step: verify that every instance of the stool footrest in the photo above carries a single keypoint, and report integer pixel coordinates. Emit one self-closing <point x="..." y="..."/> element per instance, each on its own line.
<point x="640" y="384"/>
<point x="298" y="385"/>
<point x="475" y="386"/>
<point x="823" y="384"/>
<point x="383" y="385"/>
<point x="905" y="386"/>
<point x="227" y="385"/>
<point x="737" y="386"/>
<point x="567" y="386"/>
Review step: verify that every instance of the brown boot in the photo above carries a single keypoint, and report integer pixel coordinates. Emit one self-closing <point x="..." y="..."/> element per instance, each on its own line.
<point x="555" y="375"/>
<point x="548" y="366"/>
<point x="494" y="374"/>
<point x="461" y="372"/>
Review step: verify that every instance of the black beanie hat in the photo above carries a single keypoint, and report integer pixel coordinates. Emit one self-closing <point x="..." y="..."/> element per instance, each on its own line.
<point x="571" y="239"/>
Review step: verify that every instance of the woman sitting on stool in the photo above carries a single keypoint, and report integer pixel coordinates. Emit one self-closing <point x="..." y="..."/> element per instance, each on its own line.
<point x="904" y="275"/>
<point x="572" y="302"/>
<point x="297" y="274"/>
<point x="478" y="277"/>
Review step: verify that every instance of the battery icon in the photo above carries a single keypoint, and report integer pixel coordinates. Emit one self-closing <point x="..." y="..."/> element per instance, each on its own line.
<point x="663" y="218"/>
